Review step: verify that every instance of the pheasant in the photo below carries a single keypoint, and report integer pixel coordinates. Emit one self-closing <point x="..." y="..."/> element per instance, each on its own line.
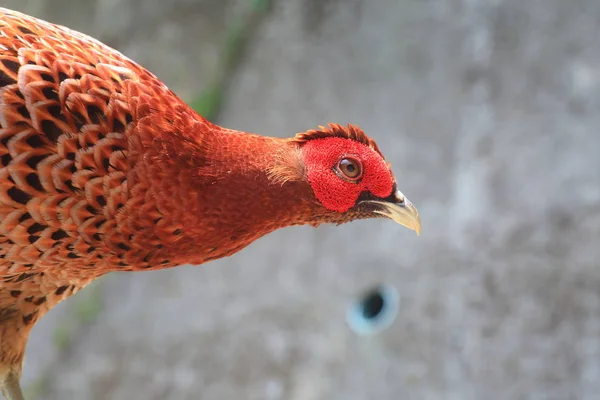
<point x="103" y="168"/>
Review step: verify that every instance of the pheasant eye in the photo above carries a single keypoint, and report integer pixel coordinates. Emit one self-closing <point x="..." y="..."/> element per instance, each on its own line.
<point x="350" y="168"/>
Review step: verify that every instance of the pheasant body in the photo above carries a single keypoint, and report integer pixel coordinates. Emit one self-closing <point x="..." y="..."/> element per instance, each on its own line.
<point x="103" y="168"/>
<point x="75" y="196"/>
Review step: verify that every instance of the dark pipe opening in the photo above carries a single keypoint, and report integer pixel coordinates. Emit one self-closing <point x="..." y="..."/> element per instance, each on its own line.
<point x="374" y="310"/>
<point x="373" y="303"/>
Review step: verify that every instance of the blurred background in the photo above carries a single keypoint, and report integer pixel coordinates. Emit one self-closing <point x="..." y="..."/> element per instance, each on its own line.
<point x="488" y="111"/>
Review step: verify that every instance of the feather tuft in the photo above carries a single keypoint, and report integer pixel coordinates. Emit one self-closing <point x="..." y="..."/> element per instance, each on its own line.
<point x="288" y="167"/>
<point x="349" y="131"/>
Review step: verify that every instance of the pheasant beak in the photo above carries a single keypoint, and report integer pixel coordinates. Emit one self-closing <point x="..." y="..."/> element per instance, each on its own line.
<point x="398" y="208"/>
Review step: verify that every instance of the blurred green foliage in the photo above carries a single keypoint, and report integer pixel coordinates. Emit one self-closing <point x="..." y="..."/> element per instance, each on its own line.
<point x="240" y="31"/>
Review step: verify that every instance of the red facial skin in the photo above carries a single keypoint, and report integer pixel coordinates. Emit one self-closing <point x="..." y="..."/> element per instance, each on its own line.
<point x="331" y="189"/>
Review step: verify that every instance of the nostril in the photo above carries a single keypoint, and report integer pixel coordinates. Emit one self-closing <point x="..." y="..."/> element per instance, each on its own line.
<point x="374" y="310"/>
<point x="400" y="199"/>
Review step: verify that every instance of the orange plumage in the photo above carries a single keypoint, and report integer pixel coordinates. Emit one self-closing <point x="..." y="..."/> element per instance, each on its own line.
<point x="103" y="168"/>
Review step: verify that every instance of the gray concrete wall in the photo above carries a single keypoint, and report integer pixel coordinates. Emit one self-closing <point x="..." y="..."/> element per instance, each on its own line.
<point x="488" y="111"/>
